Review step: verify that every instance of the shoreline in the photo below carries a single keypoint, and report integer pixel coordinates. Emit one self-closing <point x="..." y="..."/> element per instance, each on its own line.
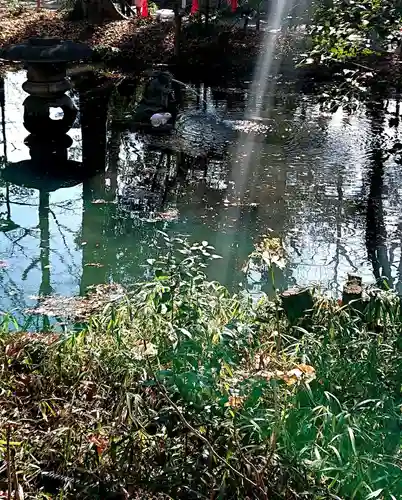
<point x="223" y="55"/>
<point x="137" y="44"/>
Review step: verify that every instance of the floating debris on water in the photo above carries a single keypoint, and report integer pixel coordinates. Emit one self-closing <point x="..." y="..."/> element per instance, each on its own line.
<point x="167" y="216"/>
<point x="79" y="308"/>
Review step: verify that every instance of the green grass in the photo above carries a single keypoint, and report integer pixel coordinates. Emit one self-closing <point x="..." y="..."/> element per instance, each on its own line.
<point x="180" y="390"/>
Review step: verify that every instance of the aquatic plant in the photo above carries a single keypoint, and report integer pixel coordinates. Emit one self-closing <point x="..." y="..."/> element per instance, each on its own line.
<point x="182" y="389"/>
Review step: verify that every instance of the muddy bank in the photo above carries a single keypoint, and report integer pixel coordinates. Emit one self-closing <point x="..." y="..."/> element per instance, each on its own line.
<point x="137" y="44"/>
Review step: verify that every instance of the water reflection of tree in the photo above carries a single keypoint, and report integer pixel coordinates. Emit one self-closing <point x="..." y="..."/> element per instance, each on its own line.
<point x="7" y="226"/>
<point x="304" y="208"/>
<point x="290" y="192"/>
<point x="376" y="233"/>
<point x="94" y="241"/>
<point x="114" y="195"/>
<point x="283" y="206"/>
<point x="94" y="101"/>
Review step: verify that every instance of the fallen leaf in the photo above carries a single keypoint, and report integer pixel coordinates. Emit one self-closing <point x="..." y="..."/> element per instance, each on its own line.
<point x="292" y="377"/>
<point x="261" y="360"/>
<point x="100" y="442"/>
<point x="79" y="307"/>
<point x="12" y="351"/>
<point x="145" y="349"/>
<point x="89" y="388"/>
<point x="307" y="369"/>
<point x="235" y="401"/>
<point x="99" y="202"/>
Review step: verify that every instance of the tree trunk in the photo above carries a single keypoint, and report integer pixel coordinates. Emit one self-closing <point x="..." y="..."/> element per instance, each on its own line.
<point x="258" y="17"/>
<point x="246" y="19"/>
<point x="177" y="34"/>
<point x="376" y="233"/>
<point x="352" y="290"/>
<point x="206" y="13"/>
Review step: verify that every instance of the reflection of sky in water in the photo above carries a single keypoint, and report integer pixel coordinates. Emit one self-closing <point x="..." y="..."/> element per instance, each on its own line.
<point x="307" y="184"/>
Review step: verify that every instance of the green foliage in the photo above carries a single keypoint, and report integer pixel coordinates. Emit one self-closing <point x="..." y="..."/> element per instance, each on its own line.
<point x="353" y="408"/>
<point x="183" y="388"/>
<point x="344" y="29"/>
<point x="152" y="7"/>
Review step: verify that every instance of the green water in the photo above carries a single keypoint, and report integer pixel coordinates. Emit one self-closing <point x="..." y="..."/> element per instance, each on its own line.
<point x="308" y="179"/>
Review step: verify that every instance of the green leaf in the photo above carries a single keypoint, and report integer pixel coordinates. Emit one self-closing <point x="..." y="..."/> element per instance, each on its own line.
<point x="336" y="453"/>
<point x="161" y="275"/>
<point x="186" y="333"/>
<point x="352" y="440"/>
<point x="374" y="494"/>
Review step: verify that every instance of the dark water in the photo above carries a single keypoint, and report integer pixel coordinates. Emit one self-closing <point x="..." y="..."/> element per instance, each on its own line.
<point x="319" y="181"/>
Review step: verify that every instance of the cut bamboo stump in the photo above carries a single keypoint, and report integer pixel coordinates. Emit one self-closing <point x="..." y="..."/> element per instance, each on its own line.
<point x="296" y="302"/>
<point x="353" y="289"/>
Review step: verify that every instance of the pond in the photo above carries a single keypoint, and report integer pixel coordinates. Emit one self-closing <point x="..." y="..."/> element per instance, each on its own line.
<point x="319" y="181"/>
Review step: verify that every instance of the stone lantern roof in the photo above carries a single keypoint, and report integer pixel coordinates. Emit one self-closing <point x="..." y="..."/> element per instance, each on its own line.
<point x="46" y="50"/>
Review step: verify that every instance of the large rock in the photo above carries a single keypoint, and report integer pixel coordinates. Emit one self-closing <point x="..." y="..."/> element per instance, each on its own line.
<point x="159" y="98"/>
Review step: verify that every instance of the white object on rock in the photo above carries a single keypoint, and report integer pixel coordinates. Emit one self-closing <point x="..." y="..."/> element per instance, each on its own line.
<point x="164" y="15"/>
<point x="159" y="119"/>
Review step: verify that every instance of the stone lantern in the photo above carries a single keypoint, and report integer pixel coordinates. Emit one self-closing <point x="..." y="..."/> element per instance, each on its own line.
<point x="46" y="62"/>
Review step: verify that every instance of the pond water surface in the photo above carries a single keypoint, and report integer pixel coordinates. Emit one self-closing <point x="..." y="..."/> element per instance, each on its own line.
<point x="317" y="180"/>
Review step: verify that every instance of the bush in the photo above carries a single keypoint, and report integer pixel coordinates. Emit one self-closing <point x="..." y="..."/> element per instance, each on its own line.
<point x="180" y="389"/>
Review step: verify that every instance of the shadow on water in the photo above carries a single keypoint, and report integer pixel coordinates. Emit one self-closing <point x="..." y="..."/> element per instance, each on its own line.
<point x="88" y="210"/>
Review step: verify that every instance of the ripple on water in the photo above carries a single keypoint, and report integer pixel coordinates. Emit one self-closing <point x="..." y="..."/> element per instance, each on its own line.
<point x="308" y="184"/>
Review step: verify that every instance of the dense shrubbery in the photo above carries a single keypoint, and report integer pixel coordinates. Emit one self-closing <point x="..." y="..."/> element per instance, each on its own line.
<point x="343" y="29"/>
<point x="355" y="47"/>
<point x="186" y="390"/>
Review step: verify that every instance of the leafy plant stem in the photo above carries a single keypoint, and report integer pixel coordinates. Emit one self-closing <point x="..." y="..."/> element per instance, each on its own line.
<point x="198" y="434"/>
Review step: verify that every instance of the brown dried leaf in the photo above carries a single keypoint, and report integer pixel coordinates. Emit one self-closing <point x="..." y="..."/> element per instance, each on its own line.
<point x="235" y="401"/>
<point x="101" y="443"/>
